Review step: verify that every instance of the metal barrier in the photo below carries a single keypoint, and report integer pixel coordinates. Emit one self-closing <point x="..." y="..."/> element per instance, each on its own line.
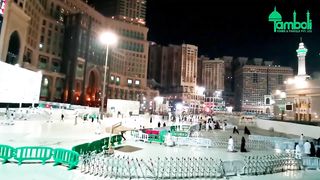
<point x="192" y="141"/>
<point x="232" y="168"/>
<point x="257" y="165"/>
<point x="139" y="136"/>
<point x="63" y="156"/>
<point x="311" y="162"/>
<point x="279" y="143"/>
<point x="39" y="153"/>
<point x="81" y="148"/>
<point x="183" y="168"/>
<point x="98" y="145"/>
<point x="6" y="152"/>
<point x="33" y="153"/>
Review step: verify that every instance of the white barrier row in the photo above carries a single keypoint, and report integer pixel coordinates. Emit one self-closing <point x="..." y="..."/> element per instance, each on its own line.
<point x="311" y="162"/>
<point x="279" y="143"/>
<point x="192" y="141"/>
<point x="139" y="136"/>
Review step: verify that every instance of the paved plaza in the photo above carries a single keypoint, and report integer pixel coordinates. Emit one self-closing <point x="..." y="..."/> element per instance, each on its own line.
<point x="66" y="134"/>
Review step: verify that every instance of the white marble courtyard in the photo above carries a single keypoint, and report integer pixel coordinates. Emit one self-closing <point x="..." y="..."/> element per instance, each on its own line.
<point x="65" y="134"/>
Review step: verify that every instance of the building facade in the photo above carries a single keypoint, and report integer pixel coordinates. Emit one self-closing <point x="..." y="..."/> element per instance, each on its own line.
<point x="228" y="92"/>
<point x="199" y="69"/>
<point x="61" y="38"/>
<point x="254" y="84"/>
<point x="301" y="100"/>
<point x="132" y="11"/>
<point x="213" y="73"/>
<point x="178" y="75"/>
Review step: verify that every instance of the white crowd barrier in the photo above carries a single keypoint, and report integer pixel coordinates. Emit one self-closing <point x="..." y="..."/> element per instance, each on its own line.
<point x="279" y="143"/>
<point x="192" y="141"/>
<point x="311" y="162"/>
<point x="139" y="136"/>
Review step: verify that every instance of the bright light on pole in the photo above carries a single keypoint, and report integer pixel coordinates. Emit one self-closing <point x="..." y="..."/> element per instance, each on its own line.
<point x="106" y="38"/>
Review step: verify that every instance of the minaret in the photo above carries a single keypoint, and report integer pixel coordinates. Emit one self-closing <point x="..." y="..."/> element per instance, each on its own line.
<point x="301" y="53"/>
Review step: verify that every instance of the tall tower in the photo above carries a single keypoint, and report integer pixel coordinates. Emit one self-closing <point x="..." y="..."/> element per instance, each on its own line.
<point x="301" y="53"/>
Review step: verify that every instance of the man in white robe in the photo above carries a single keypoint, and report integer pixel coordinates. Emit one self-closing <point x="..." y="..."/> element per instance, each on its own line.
<point x="230" y="144"/>
<point x="307" y="147"/>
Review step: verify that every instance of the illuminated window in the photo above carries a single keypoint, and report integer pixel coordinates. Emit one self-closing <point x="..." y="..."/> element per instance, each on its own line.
<point x="112" y="78"/>
<point x="280" y="79"/>
<point x="137" y="82"/>
<point x="117" y="80"/>
<point x="129" y="81"/>
<point x="255" y="78"/>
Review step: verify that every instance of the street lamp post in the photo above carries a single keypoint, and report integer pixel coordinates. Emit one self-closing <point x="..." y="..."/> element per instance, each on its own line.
<point x="107" y="38"/>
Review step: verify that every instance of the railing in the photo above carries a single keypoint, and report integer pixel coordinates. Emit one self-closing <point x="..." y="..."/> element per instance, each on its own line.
<point x="33" y="153"/>
<point x="183" y="168"/>
<point x="98" y="145"/>
<point x="278" y="143"/>
<point x="311" y="162"/>
<point x="192" y="141"/>
<point x="6" y="152"/>
<point x="39" y="153"/>
<point x="63" y="156"/>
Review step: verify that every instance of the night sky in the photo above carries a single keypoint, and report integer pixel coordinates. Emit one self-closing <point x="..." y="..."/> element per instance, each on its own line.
<point x="235" y="28"/>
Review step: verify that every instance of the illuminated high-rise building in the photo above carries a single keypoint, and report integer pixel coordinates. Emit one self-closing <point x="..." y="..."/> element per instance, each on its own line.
<point x="61" y="38"/>
<point x="133" y="11"/>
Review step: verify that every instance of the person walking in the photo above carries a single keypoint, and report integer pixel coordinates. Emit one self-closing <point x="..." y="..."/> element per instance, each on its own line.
<point x="230" y="144"/>
<point x="76" y="118"/>
<point x="246" y="131"/>
<point x="62" y="116"/>
<point x="307" y="147"/>
<point x="243" y="145"/>
<point x="122" y="132"/>
<point x="159" y="124"/>
<point x="235" y="130"/>
<point x="301" y="140"/>
<point x="298" y="151"/>
<point x="312" y="149"/>
<point x="164" y="124"/>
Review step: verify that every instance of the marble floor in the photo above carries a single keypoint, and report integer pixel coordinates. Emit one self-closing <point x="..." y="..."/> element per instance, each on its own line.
<point x="65" y="134"/>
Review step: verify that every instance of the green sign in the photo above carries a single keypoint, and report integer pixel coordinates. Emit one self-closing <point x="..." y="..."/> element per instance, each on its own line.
<point x="290" y="26"/>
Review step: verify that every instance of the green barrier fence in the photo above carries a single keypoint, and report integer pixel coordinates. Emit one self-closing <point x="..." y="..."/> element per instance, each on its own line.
<point x="113" y="140"/>
<point x="119" y="139"/>
<point x="81" y="148"/>
<point x="43" y="154"/>
<point x="33" y="153"/>
<point x="6" y="152"/>
<point x="180" y="134"/>
<point x="159" y="138"/>
<point x="97" y="145"/>
<point x="173" y="128"/>
<point x="67" y="157"/>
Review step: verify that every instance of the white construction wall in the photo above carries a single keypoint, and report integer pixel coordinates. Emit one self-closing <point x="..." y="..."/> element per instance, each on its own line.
<point x="19" y="85"/>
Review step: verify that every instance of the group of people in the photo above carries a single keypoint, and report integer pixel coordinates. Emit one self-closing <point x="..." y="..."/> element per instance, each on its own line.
<point x="305" y="148"/>
<point x="242" y="146"/>
<point x="243" y="140"/>
<point x="246" y="130"/>
<point x="210" y="124"/>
